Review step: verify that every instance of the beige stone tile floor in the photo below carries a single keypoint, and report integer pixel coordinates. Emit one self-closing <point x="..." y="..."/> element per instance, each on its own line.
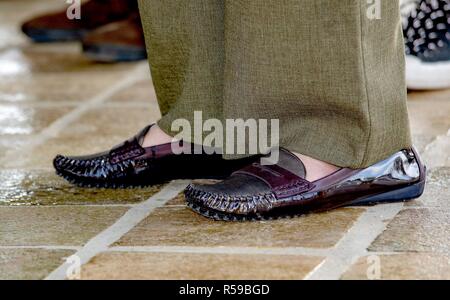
<point x="179" y="226"/>
<point x="30" y="264"/>
<point x="53" y="100"/>
<point x="199" y="266"/>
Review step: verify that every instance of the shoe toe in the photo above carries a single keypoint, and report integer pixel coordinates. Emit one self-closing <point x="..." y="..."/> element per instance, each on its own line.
<point x="68" y="166"/>
<point x="236" y="186"/>
<point x="59" y="162"/>
<point x="238" y="194"/>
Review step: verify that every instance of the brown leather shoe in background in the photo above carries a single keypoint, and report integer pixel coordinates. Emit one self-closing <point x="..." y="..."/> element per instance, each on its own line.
<point x="118" y="41"/>
<point x="56" y="27"/>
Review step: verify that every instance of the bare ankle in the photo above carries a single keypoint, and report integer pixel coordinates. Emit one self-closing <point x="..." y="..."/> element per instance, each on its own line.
<point x="316" y="169"/>
<point x="155" y="136"/>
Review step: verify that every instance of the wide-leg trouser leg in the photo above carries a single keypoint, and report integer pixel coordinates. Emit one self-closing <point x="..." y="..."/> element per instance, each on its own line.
<point x="186" y="54"/>
<point x="332" y="75"/>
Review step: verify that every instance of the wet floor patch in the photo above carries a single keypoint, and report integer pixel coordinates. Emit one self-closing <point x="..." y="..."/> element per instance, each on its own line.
<point x="37" y="226"/>
<point x="20" y="187"/>
<point x="53" y="73"/>
<point x="95" y="131"/>
<point x="24" y="120"/>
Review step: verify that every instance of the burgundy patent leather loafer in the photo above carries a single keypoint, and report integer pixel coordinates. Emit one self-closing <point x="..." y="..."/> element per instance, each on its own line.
<point x="260" y="192"/>
<point x="131" y="165"/>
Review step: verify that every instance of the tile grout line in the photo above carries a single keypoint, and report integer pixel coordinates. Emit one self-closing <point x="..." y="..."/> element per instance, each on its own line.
<point x="58" y="125"/>
<point x="251" y="250"/>
<point x="224" y="250"/>
<point x="355" y="242"/>
<point x="124" y="224"/>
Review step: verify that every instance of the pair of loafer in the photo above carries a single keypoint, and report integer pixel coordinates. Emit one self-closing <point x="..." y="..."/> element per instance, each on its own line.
<point x="249" y="190"/>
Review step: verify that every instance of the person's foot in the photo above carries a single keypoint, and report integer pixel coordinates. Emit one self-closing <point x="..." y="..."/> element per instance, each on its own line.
<point x="427" y="35"/>
<point x="133" y="165"/>
<point x="259" y="192"/>
<point x="57" y="27"/>
<point x="116" y="42"/>
<point x="155" y="136"/>
<point x="316" y="169"/>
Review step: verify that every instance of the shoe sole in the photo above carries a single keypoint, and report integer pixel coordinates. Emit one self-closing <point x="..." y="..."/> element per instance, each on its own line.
<point x="404" y="194"/>
<point x="427" y="76"/>
<point x="114" y="53"/>
<point x="56" y="35"/>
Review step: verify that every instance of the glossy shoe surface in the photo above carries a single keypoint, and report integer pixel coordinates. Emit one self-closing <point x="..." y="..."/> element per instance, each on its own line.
<point x="131" y="165"/>
<point x="259" y="192"/>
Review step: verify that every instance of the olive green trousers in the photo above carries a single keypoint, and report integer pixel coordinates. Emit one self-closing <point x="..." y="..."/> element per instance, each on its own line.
<point x="331" y="71"/>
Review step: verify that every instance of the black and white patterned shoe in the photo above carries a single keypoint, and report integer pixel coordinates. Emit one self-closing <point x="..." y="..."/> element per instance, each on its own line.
<point x="427" y="35"/>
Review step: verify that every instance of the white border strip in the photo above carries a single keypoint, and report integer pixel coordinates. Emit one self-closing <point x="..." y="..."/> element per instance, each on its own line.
<point x="128" y="221"/>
